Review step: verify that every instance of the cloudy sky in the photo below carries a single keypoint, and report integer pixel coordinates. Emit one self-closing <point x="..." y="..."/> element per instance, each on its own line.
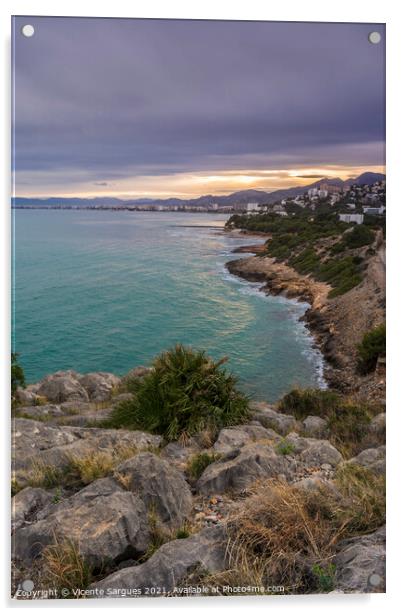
<point x="162" y="108"/>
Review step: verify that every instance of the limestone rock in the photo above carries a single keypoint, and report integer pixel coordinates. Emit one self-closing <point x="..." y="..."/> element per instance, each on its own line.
<point x="26" y="504"/>
<point x="269" y="418"/>
<point x="373" y="458"/>
<point x="29" y="437"/>
<point x="27" y="395"/>
<point x="255" y="461"/>
<point x="378" y="423"/>
<point x="314" y="426"/>
<point x="170" y="565"/>
<point x="99" y="385"/>
<point x="62" y="386"/>
<point x="360" y="563"/>
<point x="159" y="485"/>
<point x="105" y="522"/>
<point x="321" y="452"/>
<point x="233" y="438"/>
<point x="45" y="411"/>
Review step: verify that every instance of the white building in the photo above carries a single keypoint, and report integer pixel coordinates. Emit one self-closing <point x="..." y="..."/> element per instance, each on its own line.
<point x="374" y="211"/>
<point x="357" y="218"/>
<point x="252" y="207"/>
<point x="323" y="194"/>
<point x="312" y="192"/>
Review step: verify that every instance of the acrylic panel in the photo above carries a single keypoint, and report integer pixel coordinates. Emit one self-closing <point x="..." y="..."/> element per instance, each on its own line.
<point x="198" y="323"/>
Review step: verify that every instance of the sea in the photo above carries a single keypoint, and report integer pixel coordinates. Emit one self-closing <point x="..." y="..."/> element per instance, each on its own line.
<point x="97" y="290"/>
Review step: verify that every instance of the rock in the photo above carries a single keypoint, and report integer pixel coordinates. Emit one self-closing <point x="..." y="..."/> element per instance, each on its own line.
<point x="253" y="462"/>
<point x="62" y="386"/>
<point x="36" y="442"/>
<point x="378" y="423"/>
<point x="177" y="452"/>
<point x="172" y="563"/>
<point x="315" y="426"/>
<point x="135" y="373"/>
<point x="124" y="397"/>
<point x="28" y="395"/>
<point x="234" y="438"/>
<point x="316" y="483"/>
<point x="269" y="418"/>
<point x="30" y="437"/>
<point x="321" y="452"/>
<point x="105" y="522"/>
<point x="26" y="504"/>
<point x="373" y="458"/>
<point x="88" y="420"/>
<point x="76" y="407"/>
<point x="360" y="563"/>
<point x="45" y="411"/>
<point x="99" y="385"/>
<point x="159" y="485"/>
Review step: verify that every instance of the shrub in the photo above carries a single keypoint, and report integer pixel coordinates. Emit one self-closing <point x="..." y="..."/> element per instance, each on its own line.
<point x="284" y="447"/>
<point x="359" y="236"/>
<point x="304" y="402"/>
<point x="185" y="393"/>
<point x="199" y="462"/>
<point x="371" y="348"/>
<point x="325" y="575"/>
<point x="17" y="374"/>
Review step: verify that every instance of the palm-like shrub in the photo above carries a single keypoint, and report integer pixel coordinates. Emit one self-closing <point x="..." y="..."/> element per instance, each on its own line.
<point x="186" y="392"/>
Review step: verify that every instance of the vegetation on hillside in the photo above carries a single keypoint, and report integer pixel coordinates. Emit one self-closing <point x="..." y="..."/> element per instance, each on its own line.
<point x="348" y="419"/>
<point x="308" y="244"/>
<point x="371" y="348"/>
<point x="185" y="392"/>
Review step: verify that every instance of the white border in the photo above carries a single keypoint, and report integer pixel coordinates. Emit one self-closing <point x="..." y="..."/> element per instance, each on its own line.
<point x="286" y="10"/>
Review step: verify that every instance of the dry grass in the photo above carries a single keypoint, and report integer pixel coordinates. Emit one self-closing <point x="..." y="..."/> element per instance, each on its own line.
<point x="286" y="536"/>
<point x="79" y="470"/>
<point x="278" y="535"/>
<point x="199" y="462"/>
<point x="362" y="508"/>
<point x="64" y="567"/>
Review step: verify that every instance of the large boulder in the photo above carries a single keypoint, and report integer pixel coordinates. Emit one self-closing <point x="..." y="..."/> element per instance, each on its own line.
<point x="26" y="504"/>
<point x="321" y="452"/>
<point x="378" y="424"/>
<point x="269" y="418"/>
<point x="360" y="563"/>
<point x="171" y="564"/>
<point x="30" y="437"/>
<point x="234" y="438"/>
<point x="315" y="427"/>
<point x="104" y="521"/>
<point x="62" y="386"/>
<point x="99" y="385"/>
<point x="252" y="462"/>
<point x="162" y="488"/>
<point x="45" y="411"/>
<point x="373" y="459"/>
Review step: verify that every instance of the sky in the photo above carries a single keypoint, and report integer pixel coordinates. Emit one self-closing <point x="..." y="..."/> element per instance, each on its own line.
<point x="160" y="108"/>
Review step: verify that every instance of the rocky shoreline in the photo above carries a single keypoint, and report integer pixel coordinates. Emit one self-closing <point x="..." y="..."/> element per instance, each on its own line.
<point x="127" y="505"/>
<point x="337" y="325"/>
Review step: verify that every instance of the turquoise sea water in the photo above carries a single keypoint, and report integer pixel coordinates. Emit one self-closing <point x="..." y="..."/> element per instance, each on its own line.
<point x="109" y="290"/>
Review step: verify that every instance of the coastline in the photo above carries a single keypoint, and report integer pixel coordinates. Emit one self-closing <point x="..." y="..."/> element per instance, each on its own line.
<point x="336" y="325"/>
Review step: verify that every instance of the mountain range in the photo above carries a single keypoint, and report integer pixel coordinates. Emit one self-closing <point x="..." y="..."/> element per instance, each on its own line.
<point x="241" y="197"/>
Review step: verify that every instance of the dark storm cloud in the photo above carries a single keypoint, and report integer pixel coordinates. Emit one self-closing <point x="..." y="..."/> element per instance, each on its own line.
<point x="119" y="98"/>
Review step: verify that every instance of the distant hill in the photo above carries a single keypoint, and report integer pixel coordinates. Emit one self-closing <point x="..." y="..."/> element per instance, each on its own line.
<point x="237" y="198"/>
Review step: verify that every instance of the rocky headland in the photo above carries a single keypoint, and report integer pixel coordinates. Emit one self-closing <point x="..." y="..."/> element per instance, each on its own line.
<point x="337" y="324"/>
<point x="102" y="512"/>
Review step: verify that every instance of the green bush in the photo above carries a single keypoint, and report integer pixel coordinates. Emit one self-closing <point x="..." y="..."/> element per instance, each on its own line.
<point x="199" y="462"/>
<point x="186" y="392"/>
<point x="371" y="348"/>
<point x="17" y="374"/>
<point x="284" y="447"/>
<point x="359" y="236"/>
<point x="303" y="402"/>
